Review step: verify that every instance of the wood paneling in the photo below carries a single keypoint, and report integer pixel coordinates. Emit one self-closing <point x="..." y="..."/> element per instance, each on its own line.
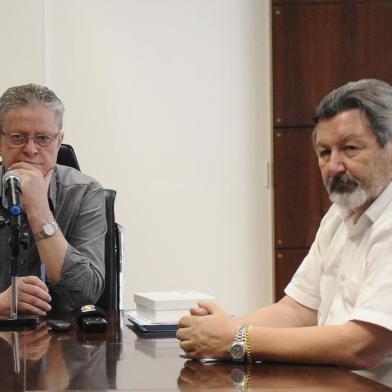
<point x="300" y="198"/>
<point x="318" y="46"/>
<point x="286" y="263"/>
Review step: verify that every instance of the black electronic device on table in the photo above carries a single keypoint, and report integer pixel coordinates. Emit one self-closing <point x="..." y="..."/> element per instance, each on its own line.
<point x="59" y="325"/>
<point x="92" y="319"/>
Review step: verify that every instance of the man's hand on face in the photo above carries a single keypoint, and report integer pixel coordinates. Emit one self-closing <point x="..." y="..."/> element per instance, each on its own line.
<point x="33" y="297"/>
<point x="35" y="186"/>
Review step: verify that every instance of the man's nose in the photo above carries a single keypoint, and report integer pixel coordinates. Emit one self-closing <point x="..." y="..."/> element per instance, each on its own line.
<point x="30" y="146"/>
<point x="336" y="163"/>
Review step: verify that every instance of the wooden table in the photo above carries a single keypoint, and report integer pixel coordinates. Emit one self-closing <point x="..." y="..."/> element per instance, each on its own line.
<point x="121" y="360"/>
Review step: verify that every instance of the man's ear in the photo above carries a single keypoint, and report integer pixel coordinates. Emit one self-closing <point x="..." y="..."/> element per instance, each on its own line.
<point x="61" y="137"/>
<point x="388" y="149"/>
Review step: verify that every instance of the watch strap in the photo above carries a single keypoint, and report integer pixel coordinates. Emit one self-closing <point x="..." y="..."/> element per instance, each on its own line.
<point x="240" y="335"/>
<point x="239" y="341"/>
<point x="248" y="351"/>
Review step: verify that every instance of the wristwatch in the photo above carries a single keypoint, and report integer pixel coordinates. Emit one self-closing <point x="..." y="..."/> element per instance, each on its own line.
<point x="48" y="230"/>
<point x="240" y="379"/>
<point x="238" y="349"/>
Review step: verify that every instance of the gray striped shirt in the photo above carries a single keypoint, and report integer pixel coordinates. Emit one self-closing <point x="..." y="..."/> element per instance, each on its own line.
<point x="78" y="205"/>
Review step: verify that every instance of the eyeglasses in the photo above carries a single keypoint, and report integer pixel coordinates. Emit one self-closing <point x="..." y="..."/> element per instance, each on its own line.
<point x="18" y="139"/>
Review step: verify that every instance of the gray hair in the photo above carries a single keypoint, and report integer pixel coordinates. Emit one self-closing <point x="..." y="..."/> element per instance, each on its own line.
<point x="31" y="95"/>
<point x="371" y="96"/>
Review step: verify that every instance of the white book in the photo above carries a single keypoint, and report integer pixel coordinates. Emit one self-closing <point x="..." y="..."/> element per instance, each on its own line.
<point x="167" y="306"/>
<point x="167" y="316"/>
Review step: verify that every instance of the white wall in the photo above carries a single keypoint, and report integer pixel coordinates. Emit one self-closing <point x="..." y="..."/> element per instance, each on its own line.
<point x="21" y="43"/>
<point x="168" y="102"/>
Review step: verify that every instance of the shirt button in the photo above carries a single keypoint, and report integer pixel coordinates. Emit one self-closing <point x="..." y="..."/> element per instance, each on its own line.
<point x="343" y="277"/>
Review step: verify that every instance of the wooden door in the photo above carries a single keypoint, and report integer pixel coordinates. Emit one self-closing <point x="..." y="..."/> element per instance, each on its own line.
<point x="317" y="46"/>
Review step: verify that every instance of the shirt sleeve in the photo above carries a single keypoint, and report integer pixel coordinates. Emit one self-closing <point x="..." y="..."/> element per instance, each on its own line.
<point x="372" y="297"/>
<point x="304" y="286"/>
<point x="83" y="275"/>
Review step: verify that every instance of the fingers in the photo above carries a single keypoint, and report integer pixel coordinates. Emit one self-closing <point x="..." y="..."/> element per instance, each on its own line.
<point x="187" y="346"/>
<point x="36" y="344"/>
<point x="210" y="307"/>
<point x="203" y="310"/>
<point x="35" y="185"/>
<point x="182" y="333"/>
<point x="33" y="296"/>
<point x="32" y="305"/>
<point x="22" y="166"/>
<point x="34" y="353"/>
<point x="198" y="311"/>
<point x="48" y="177"/>
<point x="35" y="281"/>
<point x="38" y="336"/>
<point x="186" y="321"/>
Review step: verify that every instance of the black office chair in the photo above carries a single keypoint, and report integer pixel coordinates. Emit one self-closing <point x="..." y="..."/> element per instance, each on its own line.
<point x="112" y="297"/>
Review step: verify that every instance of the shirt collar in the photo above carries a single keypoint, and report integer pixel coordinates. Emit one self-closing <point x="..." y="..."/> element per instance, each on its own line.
<point x="379" y="205"/>
<point x="372" y="213"/>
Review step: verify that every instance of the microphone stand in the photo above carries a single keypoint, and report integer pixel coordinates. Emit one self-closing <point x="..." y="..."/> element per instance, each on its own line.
<point x="16" y="243"/>
<point x="16" y="224"/>
<point x="15" y="346"/>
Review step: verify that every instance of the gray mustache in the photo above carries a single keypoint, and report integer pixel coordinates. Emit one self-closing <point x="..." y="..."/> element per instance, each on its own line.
<point x="342" y="183"/>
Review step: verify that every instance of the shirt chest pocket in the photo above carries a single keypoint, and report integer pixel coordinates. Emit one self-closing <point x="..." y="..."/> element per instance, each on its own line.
<point x="350" y="292"/>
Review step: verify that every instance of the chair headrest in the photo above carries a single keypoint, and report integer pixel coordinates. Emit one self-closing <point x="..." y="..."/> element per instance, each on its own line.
<point x="67" y="157"/>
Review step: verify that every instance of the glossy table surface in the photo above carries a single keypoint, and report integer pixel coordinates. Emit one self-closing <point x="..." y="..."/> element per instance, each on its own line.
<point x="119" y="359"/>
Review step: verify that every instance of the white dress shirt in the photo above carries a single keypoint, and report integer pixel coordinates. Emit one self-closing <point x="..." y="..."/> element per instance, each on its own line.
<point x="347" y="274"/>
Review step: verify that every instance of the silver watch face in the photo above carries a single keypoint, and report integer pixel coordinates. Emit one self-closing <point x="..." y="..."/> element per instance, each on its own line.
<point x="238" y="376"/>
<point x="237" y="351"/>
<point x="49" y="229"/>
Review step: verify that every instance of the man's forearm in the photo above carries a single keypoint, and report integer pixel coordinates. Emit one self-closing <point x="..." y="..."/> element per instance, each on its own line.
<point x="354" y="344"/>
<point x="82" y="279"/>
<point x="285" y="313"/>
<point x="52" y="253"/>
<point x="51" y="250"/>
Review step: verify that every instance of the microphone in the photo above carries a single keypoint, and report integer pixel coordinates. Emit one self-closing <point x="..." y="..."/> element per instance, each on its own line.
<point x="11" y="192"/>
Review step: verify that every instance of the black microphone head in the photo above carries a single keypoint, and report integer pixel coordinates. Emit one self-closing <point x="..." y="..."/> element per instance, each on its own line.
<point x="11" y="192"/>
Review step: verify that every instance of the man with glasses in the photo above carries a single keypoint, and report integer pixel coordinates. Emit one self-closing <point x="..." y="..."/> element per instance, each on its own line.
<point x="62" y="266"/>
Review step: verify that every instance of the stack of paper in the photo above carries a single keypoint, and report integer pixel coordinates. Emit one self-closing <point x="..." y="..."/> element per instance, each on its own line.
<point x="161" y="311"/>
<point x="146" y="325"/>
<point x="167" y="306"/>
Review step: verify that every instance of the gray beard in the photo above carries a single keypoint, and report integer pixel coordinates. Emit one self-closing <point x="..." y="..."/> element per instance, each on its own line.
<point x="349" y="200"/>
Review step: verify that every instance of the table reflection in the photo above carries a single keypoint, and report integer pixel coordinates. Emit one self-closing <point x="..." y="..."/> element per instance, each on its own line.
<point x="80" y="361"/>
<point x="198" y="376"/>
<point x="381" y="373"/>
<point x="22" y="350"/>
<point x="72" y="360"/>
<point x="121" y="360"/>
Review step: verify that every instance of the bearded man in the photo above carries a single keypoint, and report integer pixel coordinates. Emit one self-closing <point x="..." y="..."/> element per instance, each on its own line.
<point x="338" y="306"/>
